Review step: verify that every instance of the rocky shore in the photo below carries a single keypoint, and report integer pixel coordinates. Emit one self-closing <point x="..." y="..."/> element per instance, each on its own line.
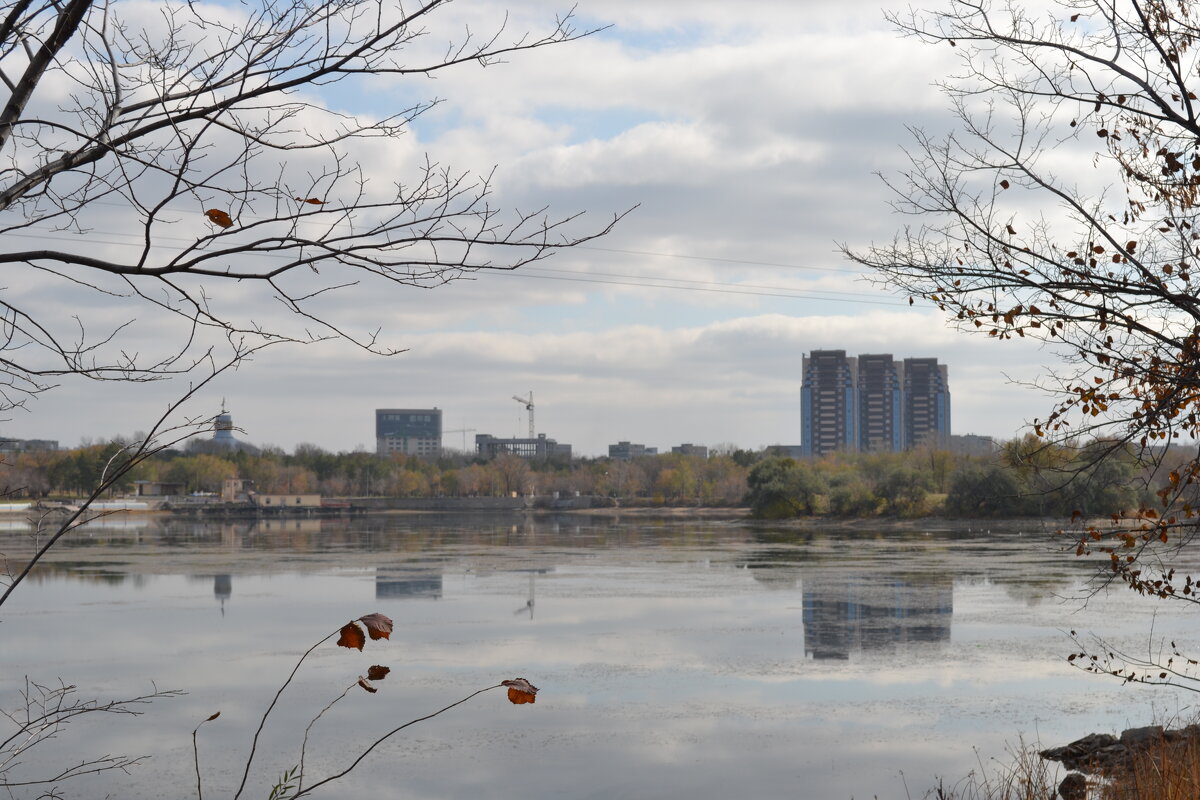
<point x="1103" y="755"/>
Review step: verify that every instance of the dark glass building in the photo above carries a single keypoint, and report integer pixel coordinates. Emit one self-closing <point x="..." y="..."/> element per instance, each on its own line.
<point x="411" y="431"/>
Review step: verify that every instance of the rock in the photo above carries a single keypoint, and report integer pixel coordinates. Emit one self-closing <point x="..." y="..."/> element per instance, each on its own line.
<point x="1085" y="754"/>
<point x="1073" y="787"/>
<point x="1142" y="738"/>
<point x="1103" y="754"/>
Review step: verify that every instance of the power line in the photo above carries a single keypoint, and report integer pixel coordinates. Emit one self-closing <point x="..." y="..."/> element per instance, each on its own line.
<point x="603" y="278"/>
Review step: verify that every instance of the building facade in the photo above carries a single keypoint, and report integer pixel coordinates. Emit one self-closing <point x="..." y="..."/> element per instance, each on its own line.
<point x="878" y="394"/>
<point x="872" y="402"/>
<point x="539" y="449"/>
<point x="625" y="451"/>
<point x="410" y="431"/>
<point x="828" y="418"/>
<point x="12" y="446"/>
<point x="926" y="403"/>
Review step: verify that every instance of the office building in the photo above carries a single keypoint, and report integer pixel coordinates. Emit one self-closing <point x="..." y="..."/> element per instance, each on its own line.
<point x="689" y="449"/>
<point x="411" y="431"/>
<point x="625" y="451"/>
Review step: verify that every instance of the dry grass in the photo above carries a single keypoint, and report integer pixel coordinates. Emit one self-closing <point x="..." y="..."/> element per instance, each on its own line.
<point x="1025" y="776"/>
<point x="1167" y="771"/>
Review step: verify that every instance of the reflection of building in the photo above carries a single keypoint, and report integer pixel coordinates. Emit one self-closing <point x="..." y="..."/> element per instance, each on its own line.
<point x="539" y="449"/>
<point x="844" y="616"/>
<point x="411" y="431"/>
<point x="399" y="586"/>
<point x="624" y="451"/>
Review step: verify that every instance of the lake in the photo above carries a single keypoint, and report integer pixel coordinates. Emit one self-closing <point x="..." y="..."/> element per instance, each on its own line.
<point x="676" y="658"/>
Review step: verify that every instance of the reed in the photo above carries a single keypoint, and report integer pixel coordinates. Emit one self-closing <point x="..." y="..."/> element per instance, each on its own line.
<point x="1167" y="770"/>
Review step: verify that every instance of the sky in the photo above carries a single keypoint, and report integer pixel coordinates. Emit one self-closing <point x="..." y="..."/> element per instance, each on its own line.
<point x="745" y="142"/>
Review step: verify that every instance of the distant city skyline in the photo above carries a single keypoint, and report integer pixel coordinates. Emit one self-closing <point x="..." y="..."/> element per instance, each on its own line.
<point x="687" y="322"/>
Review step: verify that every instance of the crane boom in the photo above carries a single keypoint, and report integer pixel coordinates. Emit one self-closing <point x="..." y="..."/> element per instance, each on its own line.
<point x="528" y="403"/>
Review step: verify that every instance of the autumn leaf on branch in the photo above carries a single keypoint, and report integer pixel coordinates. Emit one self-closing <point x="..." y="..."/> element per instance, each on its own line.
<point x="352" y="636"/>
<point x="377" y="625"/>
<point x="219" y="217"/>
<point x="366" y="684"/>
<point x="313" y="201"/>
<point x="520" y="691"/>
<point x="378" y="673"/>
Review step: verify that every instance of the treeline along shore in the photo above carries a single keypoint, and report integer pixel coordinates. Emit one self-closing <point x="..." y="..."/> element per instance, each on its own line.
<point x="1024" y="477"/>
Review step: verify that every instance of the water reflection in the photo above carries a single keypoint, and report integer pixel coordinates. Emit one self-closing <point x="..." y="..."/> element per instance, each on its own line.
<point x="864" y="614"/>
<point x="676" y="658"/>
<point x="389" y="585"/>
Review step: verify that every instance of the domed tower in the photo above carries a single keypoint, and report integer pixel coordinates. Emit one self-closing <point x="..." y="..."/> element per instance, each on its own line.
<point x="223" y="428"/>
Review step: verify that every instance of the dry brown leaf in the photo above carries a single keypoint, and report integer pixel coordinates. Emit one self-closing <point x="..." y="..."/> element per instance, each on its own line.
<point x="378" y="673"/>
<point x="379" y="626"/>
<point x="520" y="691"/>
<point x="1004" y="184"/>
<point x="219" y="217"/>
<point x="352" y="636"/>
<point x="214" y="716"/>
<point x="366" y="684"/>
<point x="313" y="201"/>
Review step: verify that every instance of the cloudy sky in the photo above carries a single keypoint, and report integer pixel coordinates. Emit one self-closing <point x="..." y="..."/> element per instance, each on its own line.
<point x="747" y="136"/>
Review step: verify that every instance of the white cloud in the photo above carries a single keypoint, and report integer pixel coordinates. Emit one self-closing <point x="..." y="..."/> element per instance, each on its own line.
<point x="749" y="140"/>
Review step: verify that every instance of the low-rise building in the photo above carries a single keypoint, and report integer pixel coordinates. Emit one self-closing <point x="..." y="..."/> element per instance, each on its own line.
<point x="157" y="488"/>
<point x="624" y="451"/>
<point x="285" y="500"/>
<point x="10" y="446"/>
<point x="539" y="449"/>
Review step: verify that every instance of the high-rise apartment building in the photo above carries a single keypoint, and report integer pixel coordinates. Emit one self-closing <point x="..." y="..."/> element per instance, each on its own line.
<point x="828" y="419"/>
<point x="872" y="402"/>
<point x="879" y="392"/>
<point x="411" y="431"/>
<point x="926" y="402"/>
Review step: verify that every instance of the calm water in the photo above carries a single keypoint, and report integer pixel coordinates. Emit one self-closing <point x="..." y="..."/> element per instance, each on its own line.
<point x="675" y="659"/>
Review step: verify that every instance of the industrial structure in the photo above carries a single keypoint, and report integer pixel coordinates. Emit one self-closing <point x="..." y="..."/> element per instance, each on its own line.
<point x="537" y="448"/>
<point x="411" y="431"/>
<point x="528" y="403"/>
<point x="872" y="403"/>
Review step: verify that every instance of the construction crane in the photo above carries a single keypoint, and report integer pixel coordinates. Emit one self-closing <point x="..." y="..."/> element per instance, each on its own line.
<point x="528" y="403"/>
<point x="464" y="432"/>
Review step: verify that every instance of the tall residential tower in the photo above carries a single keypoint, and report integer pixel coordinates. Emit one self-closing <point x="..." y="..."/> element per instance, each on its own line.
<point x="828" y="419"/>
<point x="872" y="402"/>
